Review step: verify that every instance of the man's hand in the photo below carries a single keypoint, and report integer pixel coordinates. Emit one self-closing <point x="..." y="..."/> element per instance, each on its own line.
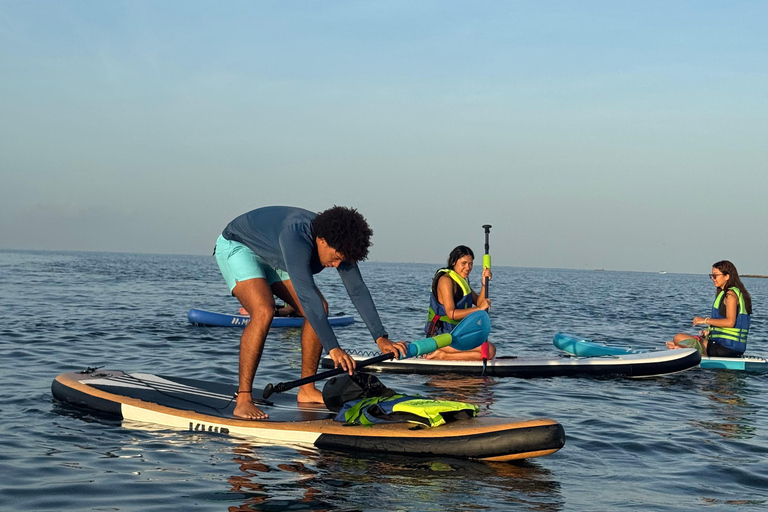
<point x="399" y="348"/>
<point x="341" y="358"/>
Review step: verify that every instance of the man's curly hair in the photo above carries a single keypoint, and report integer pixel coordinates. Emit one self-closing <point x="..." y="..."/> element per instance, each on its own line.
<point x="345" y="230"/>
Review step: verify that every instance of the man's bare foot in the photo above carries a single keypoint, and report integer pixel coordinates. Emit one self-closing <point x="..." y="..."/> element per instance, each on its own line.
<point x="246" y="410"/>
<point x="310" y="394"/>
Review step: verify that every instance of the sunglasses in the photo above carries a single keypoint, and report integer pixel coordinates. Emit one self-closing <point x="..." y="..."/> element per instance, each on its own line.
<point x="713" y="276"/>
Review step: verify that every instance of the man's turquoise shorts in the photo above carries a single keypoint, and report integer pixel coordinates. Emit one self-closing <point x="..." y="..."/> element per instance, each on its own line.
<point x="238" y="263"/>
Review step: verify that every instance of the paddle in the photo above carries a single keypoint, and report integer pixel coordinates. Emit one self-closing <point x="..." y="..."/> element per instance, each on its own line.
<point x="486" y="263"/>
<point x="469" y="334"/>
<point x="487" y="256"/>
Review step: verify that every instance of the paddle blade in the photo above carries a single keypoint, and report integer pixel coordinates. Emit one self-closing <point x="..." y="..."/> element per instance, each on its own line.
<point x="472" y="331"/>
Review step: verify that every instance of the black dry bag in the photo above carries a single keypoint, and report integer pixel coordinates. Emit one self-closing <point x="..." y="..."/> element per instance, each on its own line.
<point x="345" y="388"/>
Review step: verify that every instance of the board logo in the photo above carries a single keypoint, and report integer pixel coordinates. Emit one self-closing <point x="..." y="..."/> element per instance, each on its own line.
<point x="201" y="427"/>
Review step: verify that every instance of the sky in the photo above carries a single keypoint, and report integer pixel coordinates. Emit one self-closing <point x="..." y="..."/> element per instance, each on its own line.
<point x="590" y="134"/>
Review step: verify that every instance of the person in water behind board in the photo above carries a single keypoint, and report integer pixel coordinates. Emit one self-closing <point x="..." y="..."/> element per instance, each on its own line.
<point x="728" y="323"/>
<point x="275" y="251"/>
<point x="452" y="299"/>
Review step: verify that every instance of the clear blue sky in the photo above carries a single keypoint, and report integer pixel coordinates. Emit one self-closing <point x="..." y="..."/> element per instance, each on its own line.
<point x="617" y="135"/>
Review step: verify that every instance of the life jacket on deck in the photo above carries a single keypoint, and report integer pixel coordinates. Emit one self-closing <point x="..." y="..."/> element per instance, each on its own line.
<point x="362" y="399"/>
<point x="437" y="321"/>
<point x="404" y="408"/>
<point x="734" y="338"/>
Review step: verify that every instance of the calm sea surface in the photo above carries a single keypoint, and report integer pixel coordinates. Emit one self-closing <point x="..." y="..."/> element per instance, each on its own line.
<point x="683" y="442"/>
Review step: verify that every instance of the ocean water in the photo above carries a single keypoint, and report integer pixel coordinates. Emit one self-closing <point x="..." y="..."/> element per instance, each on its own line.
<point x="690" y="441"/>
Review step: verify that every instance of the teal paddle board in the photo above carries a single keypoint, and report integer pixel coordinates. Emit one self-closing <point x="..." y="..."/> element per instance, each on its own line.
<point x="584" y="347"/>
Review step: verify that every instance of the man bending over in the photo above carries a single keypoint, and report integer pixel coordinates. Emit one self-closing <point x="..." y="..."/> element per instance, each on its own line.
<point x="275" y="251"/>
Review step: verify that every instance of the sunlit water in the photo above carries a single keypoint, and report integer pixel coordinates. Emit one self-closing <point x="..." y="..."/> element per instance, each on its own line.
<point x="681" y="442"/>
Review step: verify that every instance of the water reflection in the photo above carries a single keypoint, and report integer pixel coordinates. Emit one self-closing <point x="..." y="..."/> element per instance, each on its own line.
<point x="732" y="415"/>
<point x="264" y="487"/>
<point x="339" y="481"/>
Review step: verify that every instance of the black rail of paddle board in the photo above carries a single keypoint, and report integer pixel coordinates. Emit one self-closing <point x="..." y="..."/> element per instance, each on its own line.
<point x="478" y="446"/>
<point x="85" y="400"/>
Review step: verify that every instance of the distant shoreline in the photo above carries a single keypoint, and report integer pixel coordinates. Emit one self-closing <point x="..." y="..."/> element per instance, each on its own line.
<point x="754" y="275"/>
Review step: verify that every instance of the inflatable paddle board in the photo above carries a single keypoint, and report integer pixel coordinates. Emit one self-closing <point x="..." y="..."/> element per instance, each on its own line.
<point x="626" y="365"/>
<point x="208" y="318"/>
<point x="199" y="406"/>
<point x="587" y="348"/>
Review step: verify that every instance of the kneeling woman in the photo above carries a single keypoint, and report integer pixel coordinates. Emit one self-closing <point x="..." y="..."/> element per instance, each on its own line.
<point x="728" y="325"/>
<point x="452" y="299"/>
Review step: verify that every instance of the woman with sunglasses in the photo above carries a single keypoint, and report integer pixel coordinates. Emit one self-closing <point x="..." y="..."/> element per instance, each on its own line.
<point x="728" y="323"/>
<point x="452" y="299"/>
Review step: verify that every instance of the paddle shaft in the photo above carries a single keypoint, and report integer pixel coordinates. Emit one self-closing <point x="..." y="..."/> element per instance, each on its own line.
<point x="414" y="349"/>
<point x="486" y="263"/>
<point x="285" y="386"/>
<point x="469" y="334"/>
<point x="487" y="257"/>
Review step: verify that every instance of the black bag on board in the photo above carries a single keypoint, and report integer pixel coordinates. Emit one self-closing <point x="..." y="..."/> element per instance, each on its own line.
<point x="346" y="388"/>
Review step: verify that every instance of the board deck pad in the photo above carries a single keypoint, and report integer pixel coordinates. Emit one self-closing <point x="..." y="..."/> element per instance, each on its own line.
<point x="627" y="365"/>
<point x="208" y="398"/>
<point x="196" y="405"/>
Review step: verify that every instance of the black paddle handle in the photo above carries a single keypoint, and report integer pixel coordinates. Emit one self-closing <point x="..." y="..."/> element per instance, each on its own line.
<point x="285" y="386"/>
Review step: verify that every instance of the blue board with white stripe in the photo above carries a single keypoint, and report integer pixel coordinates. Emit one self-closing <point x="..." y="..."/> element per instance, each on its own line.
<point x="211" y="319"/>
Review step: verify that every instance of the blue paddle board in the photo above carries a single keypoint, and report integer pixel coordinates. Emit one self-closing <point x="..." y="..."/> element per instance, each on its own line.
<point x="587" y="348"/>
<point x="208" y="318"/>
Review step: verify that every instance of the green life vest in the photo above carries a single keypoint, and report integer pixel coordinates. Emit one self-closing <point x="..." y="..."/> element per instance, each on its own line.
<point x="734" y="338"/>
<point x="404" y="408"/>
<point x="444" y="323"/>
